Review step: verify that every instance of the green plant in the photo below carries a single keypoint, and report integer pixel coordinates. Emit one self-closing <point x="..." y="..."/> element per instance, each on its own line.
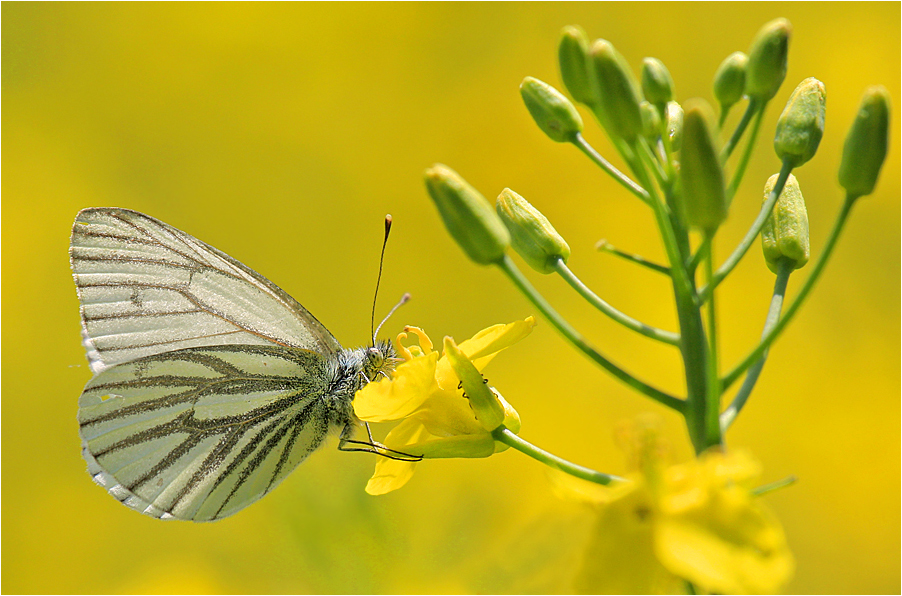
<point x="700" y="523"/>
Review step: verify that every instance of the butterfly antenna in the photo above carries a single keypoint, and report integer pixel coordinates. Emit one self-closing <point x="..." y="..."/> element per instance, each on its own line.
<point x="379" y="279"/>
<point x="403" y="299"/>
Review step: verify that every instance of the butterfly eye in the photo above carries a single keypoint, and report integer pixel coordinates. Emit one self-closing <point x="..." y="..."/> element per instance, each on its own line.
<point x="374" y="355"/>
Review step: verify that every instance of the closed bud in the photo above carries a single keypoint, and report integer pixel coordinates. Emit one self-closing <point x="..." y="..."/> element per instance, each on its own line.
<point x="553" y="112"/>
<point x="801" y="125"/>
<point x="573" y="56"/>
<point x="703" y="194"/>
<point x="785" y="232"/>
<point x="657" y="84"/>
<point x="617" y="94"/>
<point x="767" y="60"/>
<point x="532" y="236"/>
<point x="651" y="121"/>
<point x="866" y="143"/>
<point x="467" y="215"/>
<point x="674" y="116"/>
<point x="729" y="80"/>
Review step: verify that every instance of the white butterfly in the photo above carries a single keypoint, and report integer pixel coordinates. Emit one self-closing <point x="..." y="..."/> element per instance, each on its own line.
<point x="211" y="384"/>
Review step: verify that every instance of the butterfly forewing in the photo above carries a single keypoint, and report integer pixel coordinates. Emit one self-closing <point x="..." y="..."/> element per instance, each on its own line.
<point x="147" y="288"/>
<point x="200" y="433"/>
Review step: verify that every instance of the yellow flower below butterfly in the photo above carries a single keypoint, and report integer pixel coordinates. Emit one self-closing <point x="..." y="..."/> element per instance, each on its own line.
<point x="696" y="522"/>
<point x="427" y="394"/>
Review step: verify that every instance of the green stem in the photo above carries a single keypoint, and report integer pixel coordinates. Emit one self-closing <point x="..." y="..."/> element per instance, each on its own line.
<point x="712" y="399"/>
<point x="666" y="141"/>
<point x="771" y="335"/>
<point x="692" y="334"/>
<point x="750" y="236"/>
<point x="694" y="352"/>
<point x="750" y="110"/>
<point x="510" y="439"/>
<point x="665" y="226"/>
<point x="627" y="321"/>
<point x="784" y="268"/>
<point x="608" y="247"/>
<point x="605" y="165"/>
<point x="663" y="156"/>
<point x="772" y="486"/>
<point x="700" y="253"/>
<point x="575" y="338"/>
<point x="693" y="345"/>
<point x="724" y="112"/>
<point x="746" y="157"/>
<point x="653" y="162"/>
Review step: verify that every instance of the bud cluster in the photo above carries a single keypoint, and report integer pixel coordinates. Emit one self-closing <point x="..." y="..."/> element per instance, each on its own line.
<point x="638" y="115"/>
<point x="677" y="167"/>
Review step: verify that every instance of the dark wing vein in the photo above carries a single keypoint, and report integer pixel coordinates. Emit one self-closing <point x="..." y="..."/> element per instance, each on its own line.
<point x="282" y="408"/>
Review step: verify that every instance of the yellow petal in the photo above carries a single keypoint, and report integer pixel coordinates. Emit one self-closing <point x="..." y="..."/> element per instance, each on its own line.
<point x="483" y="346"/>
<point x="621" y="558"/>
<point x="392" y="474"/>
<point x="729" y="544"/>
<point x="715" y="533"/>
<point x="737" y="466"/>
<point x="497" y="337"/>
<point x="511" y="416"/>
<point x="448" y="413"/>
<point x="384" y="400"/>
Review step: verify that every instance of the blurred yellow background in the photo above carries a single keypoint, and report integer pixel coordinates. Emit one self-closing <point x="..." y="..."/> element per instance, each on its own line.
<point x="282" y="133"/>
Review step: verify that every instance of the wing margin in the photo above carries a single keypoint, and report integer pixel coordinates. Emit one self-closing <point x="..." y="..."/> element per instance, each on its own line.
<point x="146" y="288"/>
<point x="185" y="434"/>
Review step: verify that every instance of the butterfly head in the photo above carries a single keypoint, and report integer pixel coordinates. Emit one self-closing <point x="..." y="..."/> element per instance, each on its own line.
<point x="380" y="359"/>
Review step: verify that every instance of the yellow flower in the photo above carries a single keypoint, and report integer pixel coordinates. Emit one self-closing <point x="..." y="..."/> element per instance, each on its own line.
<point x="695" y="522"/>
<point x="426" y="393"/>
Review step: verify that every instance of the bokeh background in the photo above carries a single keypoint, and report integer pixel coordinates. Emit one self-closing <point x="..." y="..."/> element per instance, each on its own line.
<point x="282" y="133"/>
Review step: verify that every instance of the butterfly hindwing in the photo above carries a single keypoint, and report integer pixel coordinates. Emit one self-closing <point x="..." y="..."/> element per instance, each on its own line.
<point x="147" y="288"/>
<point x="200" y="433"/>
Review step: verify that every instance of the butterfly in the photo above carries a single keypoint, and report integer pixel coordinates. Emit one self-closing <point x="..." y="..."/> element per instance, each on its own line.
<point x="211" y="384"/>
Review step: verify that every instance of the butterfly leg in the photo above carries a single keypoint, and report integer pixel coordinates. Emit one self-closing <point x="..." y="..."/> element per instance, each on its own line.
<point x="372" y="446"/>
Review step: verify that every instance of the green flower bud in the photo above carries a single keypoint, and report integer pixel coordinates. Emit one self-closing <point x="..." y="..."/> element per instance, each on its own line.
<point x="467" y="215"/>
<point x="651" y="121"/>
<point x="801" y="125"/>
<point x="657" y="84"/>
<point x="553" y="112"/>
<point x="532" y="236"/>
<point x="703" y="196"/>
<point x="573" y="56"/>
<point x="866" y="143"/>
<point x="785" y="232"/>
<point x="729" y="80"/>
<point x="767" y="60"/>
<point x="675" y="124"/>
<point x="617" y="94"/>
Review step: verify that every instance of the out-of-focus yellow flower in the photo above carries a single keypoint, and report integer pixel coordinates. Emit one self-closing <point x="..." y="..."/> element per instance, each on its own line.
<point x="426" y="394"/>
<point x="695" y="522"/>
